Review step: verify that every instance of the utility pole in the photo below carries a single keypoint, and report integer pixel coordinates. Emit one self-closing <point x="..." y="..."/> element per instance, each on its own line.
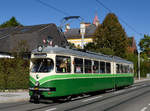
<point x="139" y="76"/>
<point x="82" y="31"/>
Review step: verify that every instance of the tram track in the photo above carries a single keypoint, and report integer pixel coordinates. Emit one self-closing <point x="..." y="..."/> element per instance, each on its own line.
<point x="107" y="96"/>
<point x="125" y="101"/>
<point x="110" y="97"/>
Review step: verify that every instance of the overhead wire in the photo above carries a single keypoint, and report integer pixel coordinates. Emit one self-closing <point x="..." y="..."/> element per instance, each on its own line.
<point x="52" y="7"/>
<point x="131" y="27"/>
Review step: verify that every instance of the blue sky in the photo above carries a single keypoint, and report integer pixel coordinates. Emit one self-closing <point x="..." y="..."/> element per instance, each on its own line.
<point x="30" y="12"/>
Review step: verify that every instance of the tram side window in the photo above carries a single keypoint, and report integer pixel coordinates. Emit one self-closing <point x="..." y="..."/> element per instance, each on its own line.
<point x="95" y="67"/>
<point x="124" y="67"/>
<point x="128" y="69"/>
<point x="121" y="68"/>
<point x="88" y="66"/>
<point x="117" y="68"/>
<point x="131" y="70"/>
<point x="108" y="67"/>
<point x="102" y="67"/>
<point x="78" y="65"/>
<point x="63" y="64"/>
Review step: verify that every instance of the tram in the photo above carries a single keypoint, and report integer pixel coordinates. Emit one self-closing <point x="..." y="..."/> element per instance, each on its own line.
<point x="57" y="72"/>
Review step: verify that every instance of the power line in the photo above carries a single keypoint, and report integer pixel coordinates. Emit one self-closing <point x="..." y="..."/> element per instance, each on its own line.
<point x="52" y="7"/>
<point x="133" y="29"/>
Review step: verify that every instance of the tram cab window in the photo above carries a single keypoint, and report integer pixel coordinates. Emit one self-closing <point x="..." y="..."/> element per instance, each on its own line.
<point x="108" y="67"/>
<point x="102" y="67"/>
<point x="78" y="65"/>
<point x="63" y="64"/>
<point x="88" y="66"/>
<point x="42" y="65"/>
<point x="95" y="67"/>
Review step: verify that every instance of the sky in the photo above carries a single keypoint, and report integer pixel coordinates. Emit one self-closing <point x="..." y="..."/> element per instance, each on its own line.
<point x="30" y="12"/>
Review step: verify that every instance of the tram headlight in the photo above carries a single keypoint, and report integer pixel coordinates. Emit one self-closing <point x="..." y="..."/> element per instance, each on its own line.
<point x="37" y="83"/>
<point x="39" y="48"/>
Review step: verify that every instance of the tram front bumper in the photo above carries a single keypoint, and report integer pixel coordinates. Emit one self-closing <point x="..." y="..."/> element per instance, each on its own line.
<point x="37" y="92"/>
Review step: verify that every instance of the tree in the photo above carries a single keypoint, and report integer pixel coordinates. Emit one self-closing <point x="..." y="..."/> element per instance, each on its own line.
<point x="110" y="34"/>
<point x="10" y="23"/>
<point x="72" y="45"/>
<point x="92" y="47"/>
<point x="145" y="46"/>
<point x="21" y="49"/>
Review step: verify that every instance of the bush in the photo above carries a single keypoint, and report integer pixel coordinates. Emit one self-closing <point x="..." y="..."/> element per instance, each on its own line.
<point x="14" y="73"/>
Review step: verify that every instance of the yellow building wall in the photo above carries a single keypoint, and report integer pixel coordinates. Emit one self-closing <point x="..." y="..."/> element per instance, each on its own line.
<point x="77" y="42"/>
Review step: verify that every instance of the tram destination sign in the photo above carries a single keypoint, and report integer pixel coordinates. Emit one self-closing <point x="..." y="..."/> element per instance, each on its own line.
<point x="40" y="54"/>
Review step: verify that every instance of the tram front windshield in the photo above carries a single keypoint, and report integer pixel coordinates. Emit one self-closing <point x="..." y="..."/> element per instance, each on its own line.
<point x="42" y="65"/>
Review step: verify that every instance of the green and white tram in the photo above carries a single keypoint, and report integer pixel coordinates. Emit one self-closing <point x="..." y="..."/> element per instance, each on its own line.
<point x="57" y="72"/>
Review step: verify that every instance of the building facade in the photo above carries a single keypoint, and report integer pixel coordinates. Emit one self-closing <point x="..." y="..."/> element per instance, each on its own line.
<point x="74" y="35"/>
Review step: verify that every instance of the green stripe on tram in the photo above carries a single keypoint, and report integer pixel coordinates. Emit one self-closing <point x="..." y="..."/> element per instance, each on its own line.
<point x="32" y="80"/>
<point x="78" y="76"/>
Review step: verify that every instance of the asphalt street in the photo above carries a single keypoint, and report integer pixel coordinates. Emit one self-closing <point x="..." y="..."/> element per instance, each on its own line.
<point x="134" y="98"/>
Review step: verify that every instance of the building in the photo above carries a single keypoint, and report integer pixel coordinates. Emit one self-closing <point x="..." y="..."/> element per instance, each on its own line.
<point x="132" y="48"/>
<point x="45" y="34"/>
<point x="74" y="36"/>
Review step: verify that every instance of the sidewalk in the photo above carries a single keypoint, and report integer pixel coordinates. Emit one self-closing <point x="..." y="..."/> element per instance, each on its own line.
<point x="9" y="97"/>
<point x="141" y="80"/>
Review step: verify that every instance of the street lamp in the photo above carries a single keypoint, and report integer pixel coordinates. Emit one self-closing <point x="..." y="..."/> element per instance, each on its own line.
<point x="139" y="76"/>
<point x="82" y="32"/>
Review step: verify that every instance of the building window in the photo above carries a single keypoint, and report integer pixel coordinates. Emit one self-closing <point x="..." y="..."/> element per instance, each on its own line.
<point x="78" y="65"/>
<point x="88" y="66"/>
<point x="63" y="64"/>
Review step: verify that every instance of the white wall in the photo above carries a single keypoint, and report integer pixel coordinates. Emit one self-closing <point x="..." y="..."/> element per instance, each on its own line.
<point x="5" y="56"/>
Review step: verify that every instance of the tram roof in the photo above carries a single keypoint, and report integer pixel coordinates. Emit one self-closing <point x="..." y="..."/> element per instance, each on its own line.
<point x="87" y="54"/>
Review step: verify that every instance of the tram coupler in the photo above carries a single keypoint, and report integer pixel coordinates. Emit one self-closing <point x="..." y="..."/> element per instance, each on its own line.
<point x="36" y="96"/>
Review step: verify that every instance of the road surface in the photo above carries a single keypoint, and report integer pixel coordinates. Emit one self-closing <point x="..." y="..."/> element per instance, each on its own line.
<point x="134" y="98"/>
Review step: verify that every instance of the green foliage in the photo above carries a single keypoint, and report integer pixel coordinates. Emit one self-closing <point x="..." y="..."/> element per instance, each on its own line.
<point x="21" y="48"/>
<point x="107" y="51"/>
<point x="92" y="47"/>
<point x="145" y="45"/>
<point x="14" y="73"/>
<point x="10" y="23"/>
<point x="144" y="55"/>
<point x="134" y="59"/>
<point x="110" y="34"/>
<point x="72" y="45"/>
<point x="144" y="68"/>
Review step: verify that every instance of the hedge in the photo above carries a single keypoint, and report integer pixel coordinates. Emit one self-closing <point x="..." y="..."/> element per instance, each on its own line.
<point x="14" y="74"/>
